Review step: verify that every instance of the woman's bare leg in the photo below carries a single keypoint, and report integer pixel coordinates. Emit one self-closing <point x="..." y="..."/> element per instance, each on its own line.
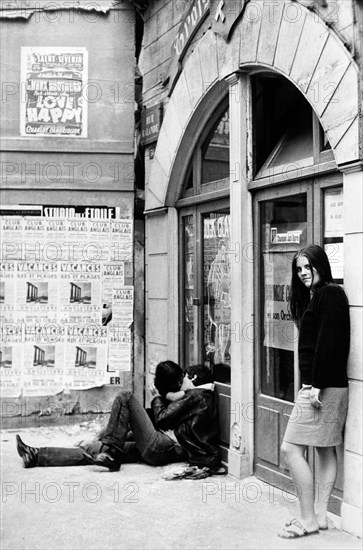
<point x="326" y="476"/>
<point x="303" y="478"/>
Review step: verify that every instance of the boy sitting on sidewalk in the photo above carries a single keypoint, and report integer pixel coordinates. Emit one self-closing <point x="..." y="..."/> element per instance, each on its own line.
<point x="184" y="426"/>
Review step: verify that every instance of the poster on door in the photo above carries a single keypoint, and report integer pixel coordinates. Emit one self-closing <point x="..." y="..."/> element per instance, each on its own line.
<point x="334" y="231"/>
<point x="278" y="324"/>
<point x="54" y="98"/>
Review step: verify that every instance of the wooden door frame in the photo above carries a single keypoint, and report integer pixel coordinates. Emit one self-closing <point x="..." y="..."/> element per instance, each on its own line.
<point x="315" y="188"/>
<point x="197" y="211"/>
<point x="224" y="390"/>
<point x="278" y="477"/>
<point x="295" y="188"/>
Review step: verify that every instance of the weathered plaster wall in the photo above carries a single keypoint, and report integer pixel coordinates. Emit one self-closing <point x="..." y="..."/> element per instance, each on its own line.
<point x="39" y="166"/>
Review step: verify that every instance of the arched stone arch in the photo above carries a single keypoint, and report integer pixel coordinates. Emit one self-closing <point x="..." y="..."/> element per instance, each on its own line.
<point x="296" y="44"/>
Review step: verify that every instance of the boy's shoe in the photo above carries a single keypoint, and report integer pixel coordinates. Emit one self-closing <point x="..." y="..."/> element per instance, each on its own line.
<point x="221" y="471"/>
<point x="103" y="459"/>
<point x="28" y="454"/>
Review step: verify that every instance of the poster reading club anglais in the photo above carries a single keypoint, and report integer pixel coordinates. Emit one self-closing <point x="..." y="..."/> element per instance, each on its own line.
<point x="55" y="83"/>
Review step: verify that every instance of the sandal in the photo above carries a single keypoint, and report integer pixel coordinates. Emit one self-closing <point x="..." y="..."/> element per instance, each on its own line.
<point x="294" y="529"/>
<point x="291" y="521"/>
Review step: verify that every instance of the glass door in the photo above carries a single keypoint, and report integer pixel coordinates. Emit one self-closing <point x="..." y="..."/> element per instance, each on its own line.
<point x="283" y="225"/>
<point x="190" y="299"/>
<point x="287" y="219"/>
<point x="216" y="267"/>
<point x="205" y="318"/>
<point x="283" y="231"/>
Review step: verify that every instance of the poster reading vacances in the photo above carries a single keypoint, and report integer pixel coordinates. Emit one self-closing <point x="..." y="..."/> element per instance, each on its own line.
<point x="66" y="299"/>
<point x="54" y="81"/>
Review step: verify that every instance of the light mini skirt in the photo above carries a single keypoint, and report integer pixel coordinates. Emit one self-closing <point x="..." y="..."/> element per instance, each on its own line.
<point x="321" y="427"/>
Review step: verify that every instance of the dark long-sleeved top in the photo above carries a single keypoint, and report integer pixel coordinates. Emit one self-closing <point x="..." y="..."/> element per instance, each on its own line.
<point x="324" y="339"/>
<point x="194" y="419"/>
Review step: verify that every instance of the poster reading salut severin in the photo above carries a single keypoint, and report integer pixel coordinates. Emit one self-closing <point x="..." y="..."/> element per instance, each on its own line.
<point x="54" y="83"/>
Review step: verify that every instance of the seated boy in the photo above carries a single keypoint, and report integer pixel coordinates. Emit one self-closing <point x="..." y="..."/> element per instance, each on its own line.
<point x="185" y="427"/>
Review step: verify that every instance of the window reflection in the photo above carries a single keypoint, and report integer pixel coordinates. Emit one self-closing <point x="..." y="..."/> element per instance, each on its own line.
<point x="188" y="223"/>
<point x="284" y="230"/>
<point x="215" y="152"/>
<point x="217" y="293"/>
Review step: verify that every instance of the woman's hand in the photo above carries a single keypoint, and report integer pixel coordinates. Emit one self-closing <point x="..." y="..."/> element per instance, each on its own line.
<point x="315" y="397"/>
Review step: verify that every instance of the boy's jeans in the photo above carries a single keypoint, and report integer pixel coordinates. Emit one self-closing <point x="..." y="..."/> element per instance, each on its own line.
<point x="150" y="445"/>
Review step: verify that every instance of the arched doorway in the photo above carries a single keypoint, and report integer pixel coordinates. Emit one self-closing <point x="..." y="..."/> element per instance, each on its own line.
<point x="205" y="263"/>
<point x="291" y="210"/>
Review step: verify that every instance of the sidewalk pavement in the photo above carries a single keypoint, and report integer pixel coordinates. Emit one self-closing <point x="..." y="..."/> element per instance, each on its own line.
<point x="88" y="507"/>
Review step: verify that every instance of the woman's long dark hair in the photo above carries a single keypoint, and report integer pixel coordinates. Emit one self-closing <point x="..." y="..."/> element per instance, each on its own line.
<point x="299" y="294"/>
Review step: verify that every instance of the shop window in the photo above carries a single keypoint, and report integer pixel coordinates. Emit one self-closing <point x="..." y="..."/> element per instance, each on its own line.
<point x="216" y="269"/>
<point x="205" y="318"/>
<point x="297" y="141"/>
<point x="215" y="152"/>
<point x="287" y="133"/>
<point x="283" y="227"/>
<point x="189" y="288"/>
<point x="209" y="167"/>
<point x="189" y="181"/>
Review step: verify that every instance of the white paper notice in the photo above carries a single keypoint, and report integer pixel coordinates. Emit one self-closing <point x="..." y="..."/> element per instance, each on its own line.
<point x="66" y="312"/>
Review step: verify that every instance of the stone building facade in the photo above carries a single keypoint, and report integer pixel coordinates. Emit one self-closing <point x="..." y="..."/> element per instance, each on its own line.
<point x="259" y="152"/>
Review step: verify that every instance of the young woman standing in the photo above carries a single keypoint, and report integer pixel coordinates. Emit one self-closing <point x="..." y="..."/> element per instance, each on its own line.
<point x="320" y="310"/>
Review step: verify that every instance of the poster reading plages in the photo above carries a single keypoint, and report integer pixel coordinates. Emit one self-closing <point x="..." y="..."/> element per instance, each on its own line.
<point x="54" y="83"/>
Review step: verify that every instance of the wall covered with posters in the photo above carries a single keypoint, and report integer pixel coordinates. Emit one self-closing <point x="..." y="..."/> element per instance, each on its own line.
<point x="67" y="206"/>
<point x="67" y="300"/>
